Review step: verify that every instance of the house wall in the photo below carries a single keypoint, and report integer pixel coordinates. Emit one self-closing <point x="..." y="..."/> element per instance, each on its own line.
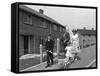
<point x="93" y="40"/>
<point x="30" y="29"/>
<point x="21" y="42"/>
<point x="32" y="41"/>
<point x="86" y="40"/>
<point x="34" y="31"/>
<point x="81" y="41"/>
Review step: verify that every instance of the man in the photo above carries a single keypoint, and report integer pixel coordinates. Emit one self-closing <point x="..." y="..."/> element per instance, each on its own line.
<point x="49" y="45"/>
<point x="66" y="39"/>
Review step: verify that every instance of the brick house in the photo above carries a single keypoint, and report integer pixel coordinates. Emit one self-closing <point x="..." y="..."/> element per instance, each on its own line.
<point x="86" y="37"/>
<point x="34" y="28"/>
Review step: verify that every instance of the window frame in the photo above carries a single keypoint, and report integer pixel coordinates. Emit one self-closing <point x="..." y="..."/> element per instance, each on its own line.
<point x="60" y="29"/>
<point x="28" y="20"/>
<point x="55" y="26"/>
<point x="43" y="24"/>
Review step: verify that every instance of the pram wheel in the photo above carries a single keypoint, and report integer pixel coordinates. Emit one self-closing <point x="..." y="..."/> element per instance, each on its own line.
<point x="66" y="65"/>
<point x="77" y="58"/>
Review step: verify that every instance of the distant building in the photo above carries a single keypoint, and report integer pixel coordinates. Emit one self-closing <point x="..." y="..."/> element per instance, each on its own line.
<point x="34" y="28"/>
<point x="86" y="37"/>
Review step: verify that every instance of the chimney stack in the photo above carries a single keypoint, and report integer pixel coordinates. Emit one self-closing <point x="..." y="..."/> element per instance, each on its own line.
<point x="92" y="28"/>
<point x="41" y="11"/>
<point x="84" y="28"/>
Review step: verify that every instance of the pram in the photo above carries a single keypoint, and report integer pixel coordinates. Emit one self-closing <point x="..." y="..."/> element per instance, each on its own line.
<point x="70" y="55"/>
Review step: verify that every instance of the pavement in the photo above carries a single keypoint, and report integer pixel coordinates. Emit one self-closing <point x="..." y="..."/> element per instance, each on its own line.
<point x="87" y="56"/>
<point x="29" y="60"/>
<point x="27" y="56"/>
<point x="41" y="66"/>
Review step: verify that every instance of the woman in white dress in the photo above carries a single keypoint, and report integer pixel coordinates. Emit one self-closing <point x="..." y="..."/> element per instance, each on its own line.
<point x="72" y="50"/>
<point x="75" y="43"/>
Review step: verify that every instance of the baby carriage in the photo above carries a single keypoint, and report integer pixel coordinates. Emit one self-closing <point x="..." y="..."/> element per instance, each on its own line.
<point x="71" y="55"/>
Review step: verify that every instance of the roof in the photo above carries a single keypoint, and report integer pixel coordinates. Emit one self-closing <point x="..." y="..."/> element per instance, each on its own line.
<point x="25" y="8"/>
<point x="86" y="31"/>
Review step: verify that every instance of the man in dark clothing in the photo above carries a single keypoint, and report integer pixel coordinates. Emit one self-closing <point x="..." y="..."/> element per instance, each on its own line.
<point x="49" y="49"/>
<point x="66" y="40"/>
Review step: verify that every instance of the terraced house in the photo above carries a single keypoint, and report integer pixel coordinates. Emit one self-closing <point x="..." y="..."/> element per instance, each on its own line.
<point x="87" y="37"/>
<point x="34" y="27"/>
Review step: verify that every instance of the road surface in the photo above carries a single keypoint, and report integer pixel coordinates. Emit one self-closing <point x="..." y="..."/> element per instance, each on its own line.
<point x="87" y="55"/>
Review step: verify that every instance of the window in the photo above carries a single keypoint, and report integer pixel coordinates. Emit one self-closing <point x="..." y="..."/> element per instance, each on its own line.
<point x="48" y="24"/>
<point x="60" y="29"/>
<point x="55" y="27"/>
<point x="27" y="19"/>
<point x="63" y="29"/>
<point x="44" y="24"/>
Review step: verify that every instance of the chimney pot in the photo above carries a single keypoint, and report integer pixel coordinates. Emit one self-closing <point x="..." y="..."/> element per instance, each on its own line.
<point x="41" y="11"/>
<point x="84" y="28"/>
<point x="92" y="28"/>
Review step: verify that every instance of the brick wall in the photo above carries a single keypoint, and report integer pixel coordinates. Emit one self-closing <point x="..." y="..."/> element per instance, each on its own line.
<point x="34" y="31"/>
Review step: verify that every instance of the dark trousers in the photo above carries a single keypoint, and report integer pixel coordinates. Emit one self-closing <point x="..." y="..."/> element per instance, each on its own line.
<point x="76" y="57"/>
<point x="49" y="58"/>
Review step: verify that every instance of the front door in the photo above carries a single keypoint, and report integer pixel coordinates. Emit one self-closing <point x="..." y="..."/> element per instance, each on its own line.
<point x="25" y="44"/>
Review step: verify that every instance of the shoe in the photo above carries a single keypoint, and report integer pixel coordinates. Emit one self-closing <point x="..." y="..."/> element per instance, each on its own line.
<point x="47" y="66"/>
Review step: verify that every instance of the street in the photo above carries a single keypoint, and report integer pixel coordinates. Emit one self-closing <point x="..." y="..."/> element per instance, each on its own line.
<point x="87" y="55"/>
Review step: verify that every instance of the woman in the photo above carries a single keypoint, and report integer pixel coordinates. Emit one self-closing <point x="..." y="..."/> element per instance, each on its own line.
<point x="75" y="44"/>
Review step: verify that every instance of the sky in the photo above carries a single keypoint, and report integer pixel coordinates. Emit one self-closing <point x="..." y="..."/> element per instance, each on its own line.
<point x="73" y="18"/>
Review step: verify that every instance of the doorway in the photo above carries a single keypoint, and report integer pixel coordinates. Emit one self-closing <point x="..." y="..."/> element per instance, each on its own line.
<point x="26" y="40"/>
